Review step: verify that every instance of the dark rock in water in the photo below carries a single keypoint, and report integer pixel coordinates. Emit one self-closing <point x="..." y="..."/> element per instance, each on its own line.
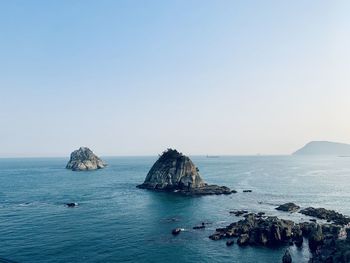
<point x="313" y="220"/>
<point x="71" y="204"/>
<point x="325" y="214"/>
<point x="202" y="226"/>
<point x="239" y="212"/>
<point x="176" y="231"/>
<point x="175" y="172"/>
<point x="216" y="236"/>
<point x="84" y="159"/>
<point x="247" y="191"/>
<point x="229" y="243"/>
<point x="287" y="258"/>
<point x="288" y="207"/>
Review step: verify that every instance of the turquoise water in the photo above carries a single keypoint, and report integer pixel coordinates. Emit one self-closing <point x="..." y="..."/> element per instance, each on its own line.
<point x="116" y="222"/>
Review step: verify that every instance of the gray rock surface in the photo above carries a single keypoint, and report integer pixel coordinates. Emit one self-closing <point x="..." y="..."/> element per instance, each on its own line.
<point x="175" y="172"/>
<point x="84" y="159"/>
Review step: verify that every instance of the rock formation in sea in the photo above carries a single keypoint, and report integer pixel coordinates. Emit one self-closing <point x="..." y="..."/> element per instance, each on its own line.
<point x="288" y="207"/>
<point x="175" y="172"/>
<point x="256" y="230"/>
<point x="328" y="242"/>
<point x="259" y="230"/>
<point x="84" y="159"/>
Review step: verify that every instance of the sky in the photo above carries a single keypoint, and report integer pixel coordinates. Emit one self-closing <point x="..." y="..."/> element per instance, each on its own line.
<point x="134" y="77"/>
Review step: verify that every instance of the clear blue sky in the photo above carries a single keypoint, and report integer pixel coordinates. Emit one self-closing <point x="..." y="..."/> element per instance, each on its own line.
<point x="206" y="77"/>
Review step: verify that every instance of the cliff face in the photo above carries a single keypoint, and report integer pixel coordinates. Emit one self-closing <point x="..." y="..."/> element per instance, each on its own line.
<point x="175" y="172"/>
<point x="84" y="159"/>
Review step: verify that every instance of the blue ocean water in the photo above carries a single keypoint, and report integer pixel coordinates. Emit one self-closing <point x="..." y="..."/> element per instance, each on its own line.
<point x="116" y="222"/>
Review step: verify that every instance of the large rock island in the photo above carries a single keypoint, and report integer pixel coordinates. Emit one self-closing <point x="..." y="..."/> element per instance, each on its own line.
<point x="84" y="159"/>
<point x="175" y="172"/>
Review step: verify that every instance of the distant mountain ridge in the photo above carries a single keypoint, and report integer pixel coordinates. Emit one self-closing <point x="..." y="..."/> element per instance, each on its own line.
<point x="324" y="148"/>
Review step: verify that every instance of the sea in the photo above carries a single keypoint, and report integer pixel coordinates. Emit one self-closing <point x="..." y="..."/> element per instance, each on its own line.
<point x="117" y="222"/>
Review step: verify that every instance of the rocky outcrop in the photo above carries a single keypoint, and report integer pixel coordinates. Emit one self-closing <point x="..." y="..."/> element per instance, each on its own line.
<point x="175" y="172"/>
<point x="84" y="159"/>
<point x="288" y="207"/>
<point x="256" y="229"/>
<point x="329" y="215"/>
<point x="259" y="230"/>
<point x="332" y="250"/>
<point x="328" y="242"/>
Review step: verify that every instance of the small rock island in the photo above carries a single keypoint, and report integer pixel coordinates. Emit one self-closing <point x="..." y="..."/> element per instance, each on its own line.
<point x="84" y="159"/>
<point x="175" y="172"/>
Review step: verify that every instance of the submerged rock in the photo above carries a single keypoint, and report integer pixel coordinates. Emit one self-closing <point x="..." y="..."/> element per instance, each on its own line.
<point x="230" y="243"/>
<point x="84" y="159"/>
<point x="175" y="172"/>
<point x="288" y="207"/>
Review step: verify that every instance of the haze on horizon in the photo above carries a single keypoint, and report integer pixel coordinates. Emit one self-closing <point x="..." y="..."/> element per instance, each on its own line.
<point x="205" y="77"/>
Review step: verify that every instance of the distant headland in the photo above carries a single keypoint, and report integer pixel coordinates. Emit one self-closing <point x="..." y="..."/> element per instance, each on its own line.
<point x="324" y="148"/>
